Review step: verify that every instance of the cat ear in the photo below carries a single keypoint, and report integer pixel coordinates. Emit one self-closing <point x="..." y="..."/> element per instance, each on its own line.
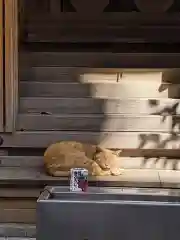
<point x="118" y="152"/>
<point x="99" y="149"/>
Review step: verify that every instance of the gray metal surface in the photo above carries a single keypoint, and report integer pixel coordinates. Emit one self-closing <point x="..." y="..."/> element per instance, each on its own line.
<point x="106" y="213"/>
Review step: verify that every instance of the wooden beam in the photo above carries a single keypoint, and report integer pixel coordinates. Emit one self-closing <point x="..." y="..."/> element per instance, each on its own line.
<point x="11" y="63"/>
<point x="1" y="66"/>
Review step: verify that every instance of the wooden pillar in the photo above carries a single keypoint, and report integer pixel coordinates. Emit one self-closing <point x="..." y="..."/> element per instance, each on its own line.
<point x="1" y="67"/>
<point x="11" y="63"/>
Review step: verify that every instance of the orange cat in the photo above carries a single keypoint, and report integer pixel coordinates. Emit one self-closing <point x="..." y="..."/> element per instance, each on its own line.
<point x="60" y="157"/>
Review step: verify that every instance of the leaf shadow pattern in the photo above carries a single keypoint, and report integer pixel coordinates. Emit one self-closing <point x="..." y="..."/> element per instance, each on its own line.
<point x="160" y="144"/>
<point x="165" y="162"/>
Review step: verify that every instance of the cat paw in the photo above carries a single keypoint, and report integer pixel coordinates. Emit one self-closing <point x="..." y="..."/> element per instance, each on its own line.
<point x="116" y="171"/>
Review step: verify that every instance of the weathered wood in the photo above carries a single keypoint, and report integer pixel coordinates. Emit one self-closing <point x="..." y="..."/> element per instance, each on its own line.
<point x="129" y="177"/>
<point x="101" y="59"/>
<point x="1" y="67"/>
<point x="159" y="163"/>
<point x="21" y="161"/>
<point x="17" y="230"/>
<point x="95" y="105"/>
<point x="20" y="192"/>
<point x="124" y="140"/>
<point x="98" y="122"/>
<point x="68" y="74"/>
<point x="170" y="178"/>
<point x="62" y="74"/>
<point x="101" y="33"/>
<point x="18" y="215"/>
<point x="17" y="204"/>
<point x="122" y="89"/>
<point x="11" y="63"/>
<point x="73" y="74"/>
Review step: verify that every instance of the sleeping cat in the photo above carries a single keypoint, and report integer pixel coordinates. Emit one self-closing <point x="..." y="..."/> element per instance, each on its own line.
<point x="60" y="157"/>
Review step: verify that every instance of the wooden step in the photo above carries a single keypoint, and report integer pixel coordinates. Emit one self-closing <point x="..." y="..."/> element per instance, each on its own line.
<point x="68" y="74"/>
<point x="144" y="162"/>
<point x="35" y="176"/>
<point x="98" y="122"/>
<point x="18" y="211"/>
<point x="37" y="32"/>
<point x="145" y="106"/>
<point x="137" y="18"/>
<point x="121" y="140"/>
<point x="129" y="177"/>
<point x="100" y="59"/>
<point x="142" y="89"/>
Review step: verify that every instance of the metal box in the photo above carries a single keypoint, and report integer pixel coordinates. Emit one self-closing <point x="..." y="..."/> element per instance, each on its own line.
<point x="108" y="214"/>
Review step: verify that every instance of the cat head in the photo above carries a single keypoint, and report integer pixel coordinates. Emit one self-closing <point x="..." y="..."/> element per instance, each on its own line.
<point x="106" y="158"/>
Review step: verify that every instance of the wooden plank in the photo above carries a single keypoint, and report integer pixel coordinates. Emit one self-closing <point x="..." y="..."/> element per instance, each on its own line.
<point x="159" y="163"/>
<point x="67" y="74"/>
<point x="1" y="69"/>
<point x="95" y="105"/>
<point x="169" y="178"/>
<point x="17" y="230"/>
<point x="62" y="74"/>
<point x="129" y="177"/>
<point x="26" y="192"/>
<point x="18" y="215"/>
<point x="17" y="204"/>
<point x="100" y="90"/>
<point x="73" y="74"/>
<point x="101" y="59"/>
<point x="11" y="63"/>
<point x="141" y="75"/>
<point x="21" y="161"/>
<point x="98" y="122"/>
<point x="121" y="140"/>
<point x="101" y="33"/>
<point x="156" y="162"/>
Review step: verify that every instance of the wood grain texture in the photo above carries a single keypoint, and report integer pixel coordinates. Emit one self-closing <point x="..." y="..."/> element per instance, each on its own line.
<point x="100" y="106"/>
<point x="98" y="122"/>
<point x="121" y="140"/>
<point x="100" y="90"/>
<point x="37" y="32"/>
<point x="11" y="63"/>
<point x="100" y="59"/>
<point x="1" y="68"/>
